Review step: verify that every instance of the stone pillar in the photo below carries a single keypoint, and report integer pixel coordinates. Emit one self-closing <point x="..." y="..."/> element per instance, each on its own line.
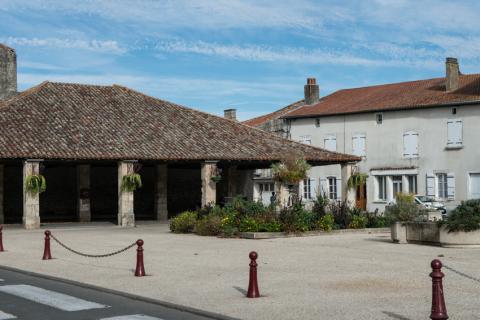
<point x="232" y="181"/>
<point x="347" y="193"/>
<point x="209" y="188"/>
<point x="126" y="216"/>
<point x="281" y="191"/>
<point x="161" y="209"/>
<point x="2" y="214"/>
<point x="83" y="178"/>
<point x="31" y="202"/>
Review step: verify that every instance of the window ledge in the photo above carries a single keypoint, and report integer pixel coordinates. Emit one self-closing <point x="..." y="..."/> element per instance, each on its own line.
<point x="411" y="157"/>
<point x="454" y="147"/>
<point x="380" y="201"/>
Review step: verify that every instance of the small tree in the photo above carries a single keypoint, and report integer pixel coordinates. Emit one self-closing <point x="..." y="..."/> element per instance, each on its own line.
<point x="405" y="209"/>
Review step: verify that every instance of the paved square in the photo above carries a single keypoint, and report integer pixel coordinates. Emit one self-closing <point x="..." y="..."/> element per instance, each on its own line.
<point x="361" y="276"/>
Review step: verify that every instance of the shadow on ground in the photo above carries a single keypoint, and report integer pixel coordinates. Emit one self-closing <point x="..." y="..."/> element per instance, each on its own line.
<point x="395" y="316"/>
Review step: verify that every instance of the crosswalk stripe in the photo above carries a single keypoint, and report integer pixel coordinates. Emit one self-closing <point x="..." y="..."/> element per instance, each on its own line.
<point x="50" y="298"/>
<point x="6" y="316"/>
<point x="132" y="317"/>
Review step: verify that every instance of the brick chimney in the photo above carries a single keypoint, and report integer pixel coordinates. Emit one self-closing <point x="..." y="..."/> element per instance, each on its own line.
<point x="8" y="72"/>
<point x="452" y="74"/>
<point x="230" y="114"/>
<point x="311" y="91"/>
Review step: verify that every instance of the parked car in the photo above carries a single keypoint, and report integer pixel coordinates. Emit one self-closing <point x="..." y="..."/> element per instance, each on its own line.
<point x="430" y="203"/>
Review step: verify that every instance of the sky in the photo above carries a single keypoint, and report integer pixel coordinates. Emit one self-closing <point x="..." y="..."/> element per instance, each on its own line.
<point x="252" y="55"/>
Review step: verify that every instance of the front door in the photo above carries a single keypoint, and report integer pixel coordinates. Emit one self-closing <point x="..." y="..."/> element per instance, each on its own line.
<point x="361" y="197"/>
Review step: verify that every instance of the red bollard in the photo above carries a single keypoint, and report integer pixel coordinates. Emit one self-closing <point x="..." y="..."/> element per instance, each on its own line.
<point x="1" y="238"/>
<point x="140" y="269"/>
<point x="46" y="251"/>
<point x="439" y="311"/>
<point x="252" y="283"/>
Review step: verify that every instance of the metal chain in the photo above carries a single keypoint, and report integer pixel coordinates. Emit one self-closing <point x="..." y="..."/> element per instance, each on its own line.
<point x="92" y="255"/>
<point x="462" y="274"/>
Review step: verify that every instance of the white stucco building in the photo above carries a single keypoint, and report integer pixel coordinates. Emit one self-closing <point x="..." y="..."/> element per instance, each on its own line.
<point x="420" y="137"/>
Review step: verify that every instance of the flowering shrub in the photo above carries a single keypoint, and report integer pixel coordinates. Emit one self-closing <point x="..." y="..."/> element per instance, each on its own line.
<point x="184" y="222"/>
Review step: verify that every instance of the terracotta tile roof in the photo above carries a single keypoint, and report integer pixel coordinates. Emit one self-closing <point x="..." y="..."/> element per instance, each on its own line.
<point x="258" y="121"/>
<point x="73" y="121"/>
<point x="395" y="96"/>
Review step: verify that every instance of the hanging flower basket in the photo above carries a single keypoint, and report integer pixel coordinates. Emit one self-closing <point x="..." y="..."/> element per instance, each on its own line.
<point x="35" y="184"/>
<point x="132" y="181"/>
<point x="356" y="180"/>
<point x="216" y="179"/>
<point x="216" y="175"/>
<point x="290" y="171"/>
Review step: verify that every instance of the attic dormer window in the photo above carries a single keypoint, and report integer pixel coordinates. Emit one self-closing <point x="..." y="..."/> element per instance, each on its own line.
<point x="379" y="118"/>
<point x="317" y="122"/>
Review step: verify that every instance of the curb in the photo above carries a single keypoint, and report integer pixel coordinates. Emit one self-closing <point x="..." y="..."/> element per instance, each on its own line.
<point x="170" y="305"/>
<point x="275" y="235"/>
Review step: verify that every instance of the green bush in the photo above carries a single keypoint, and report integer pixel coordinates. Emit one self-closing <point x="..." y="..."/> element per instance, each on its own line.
<point x="320" y="205"/>
<point x="405" y="209"/>
<point x="210" y="225"/>
<point x="376" y="221"/>
<point x="294" y="218"/>
<point x="272" y="226"/>
<point x="466" y="217"/>
<point x="326" y="222"/>
<point x="184" y="222"/>
<point x="248" y="224"/>
<point x="341" y="214"/>
<point x="358" y="222"/>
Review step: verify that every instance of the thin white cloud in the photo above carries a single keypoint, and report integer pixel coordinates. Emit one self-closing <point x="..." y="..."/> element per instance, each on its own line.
<point x="108" y="46"/>
<point x="288" y="54"/>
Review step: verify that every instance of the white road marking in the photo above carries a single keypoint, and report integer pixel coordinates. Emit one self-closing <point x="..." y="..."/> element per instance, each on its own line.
<point x="6" y="316"/>
<point x="50" y="298"/>
<point x="132" y="317"/>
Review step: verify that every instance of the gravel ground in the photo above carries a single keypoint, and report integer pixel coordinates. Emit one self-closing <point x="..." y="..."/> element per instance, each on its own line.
<point x="346" y="276"/>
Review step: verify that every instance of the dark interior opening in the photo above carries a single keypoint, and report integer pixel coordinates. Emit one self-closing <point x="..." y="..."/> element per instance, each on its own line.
<point x="13" y="193"/>
<point x="59" y="202"/>
<point x="184" y="189"/>
<point x="144" y="198"/>
<point x="104" y="192"/>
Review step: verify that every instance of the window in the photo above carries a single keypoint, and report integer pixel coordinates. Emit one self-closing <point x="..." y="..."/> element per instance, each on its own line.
<point x="410" y="144"/>
<point x="317" y="122"/>
<point x="332" y="188"/>
<point x="306" y="139"/>
<point x="330" y="143"/>
<point x="454" y="110"/>
<point x="397" y="185"/>
<point x="412" y="184"/>
<point x="266" y="187"/>
<point x="379" y="118"/>
<point x="382" y="188"/>
<point x="308" y="189"/>
<point x="474" y="185"/>
<point x="442" y="185"/>
<point x="358" y="145"/>
<point x="454" y="133"/>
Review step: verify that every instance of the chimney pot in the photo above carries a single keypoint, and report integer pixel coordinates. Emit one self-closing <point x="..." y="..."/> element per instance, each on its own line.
<point x="230" y="114"/>
<point x="452" y="74"/>
<point x="8" y="72"/>
<point x="311" y="91"/>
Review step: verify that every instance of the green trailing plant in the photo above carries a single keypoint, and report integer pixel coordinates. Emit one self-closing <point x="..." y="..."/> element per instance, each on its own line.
<point x="291" y="170"/>
<point x="356" y="180"/>
<point x="131" y="182"/>
<point x="35" y="184"/>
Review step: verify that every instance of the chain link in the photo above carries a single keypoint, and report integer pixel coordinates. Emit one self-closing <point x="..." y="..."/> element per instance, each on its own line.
<point x="92" y="255"/>
<point x="461" y="273"/>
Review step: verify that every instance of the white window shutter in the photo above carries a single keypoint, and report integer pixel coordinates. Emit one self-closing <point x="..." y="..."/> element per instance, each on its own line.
<point x="430" y="186"/>
<point x="330" y="143"/>
<point x="313" y="189"/>
<point x="451" y="187"/>
<point x="454" y="132"/>
<point x="359" y="145"/>
<point x="339" y="189"/>
<point x="410" y="144"/>
<point x="414" y="144"/>
<point x="323" y="187"/>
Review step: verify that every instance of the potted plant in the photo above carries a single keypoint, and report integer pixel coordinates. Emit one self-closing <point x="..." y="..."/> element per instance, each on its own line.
<point x="132" y="180"/>
<point x="402" y="211"/>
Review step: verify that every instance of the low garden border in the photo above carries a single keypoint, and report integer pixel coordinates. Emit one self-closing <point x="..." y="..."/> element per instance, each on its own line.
<point x="274" y="235"/>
